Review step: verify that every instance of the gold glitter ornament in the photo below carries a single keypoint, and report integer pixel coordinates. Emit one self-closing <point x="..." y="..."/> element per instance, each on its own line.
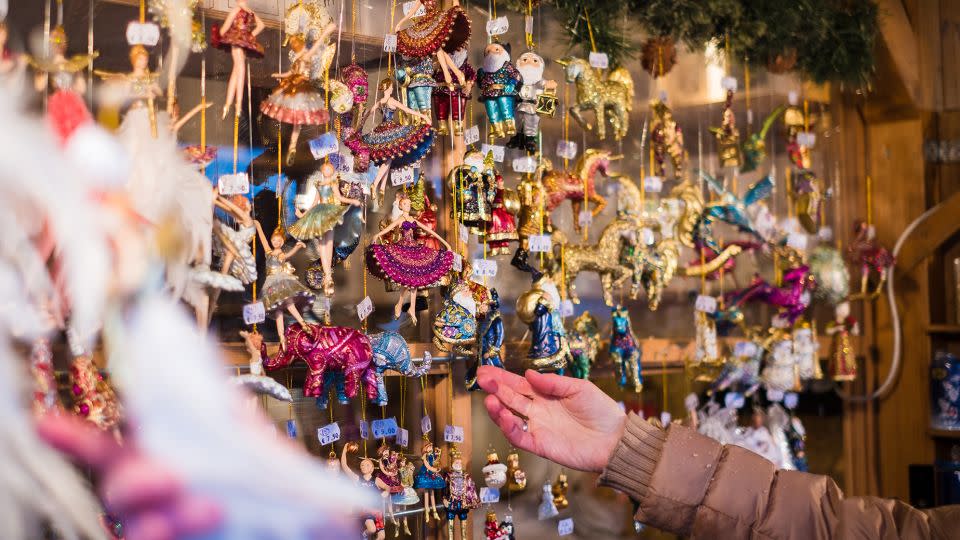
<point x="602" y="258"/>
<point x="609" y="97"/>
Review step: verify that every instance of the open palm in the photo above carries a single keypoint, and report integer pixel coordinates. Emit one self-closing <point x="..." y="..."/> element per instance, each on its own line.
<point x="569" y="421"/>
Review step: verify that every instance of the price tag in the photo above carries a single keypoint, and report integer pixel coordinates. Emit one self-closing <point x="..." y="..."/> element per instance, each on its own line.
<point x="457" y="262"/>
<point x="807" y="139"/>
<point x="496" y="149"/>
<point x="566" y="149"/>
<point x="599" y="60"/>
<point x="403" y="437"/>
<point x="390" y="43"/>
<point x="254" y="313"/>
<point x="234" y="184"/>
<point x="147" y="34"/>
<point x="793" y="98"/>
<point x="342" y="162"/>
<point x="528" y="24"/>
<point x="471" y="135"/>
<point x="647" y="236"/>
<point x="324" y="145"/>
<point x="464" y="232"/>
<point x="364" y="429"/>
<point x="399" y="177"/>
<point x="408" y="7"/>
<point x="453" y="434"/>
<point x="498" y="26"/>
<point x="733" y="400"/>
<point x="526" y="164"/>
<point x="328" y="434"/>
<point x="665" y="418"/>
<point x="779" y="322"/>
<point x="663" y="96"/>
<point x="364" y="308"/>
<point x="585" y="218"/>
<point x="825" y="234"/>
<point x="384" y="428"/>
<point x="566" y="308"/>
<point x="653" y="184"/>
<point x="489" y="495"/>
<point x="425" y="425"/>
<point x="797" y="241"/>
<point x="774" y="395"/>
<point x="790" y="400"/>
<point x="729" y="83"/>
<point x="745" y="349"/>
<point x="706" y="304"/>
<point x="749" y="116"/>
<point x="565" y="527"/>
<point x="541" y="243"/>
<point x="484" y="268"/>
<point x="292" y="428"/>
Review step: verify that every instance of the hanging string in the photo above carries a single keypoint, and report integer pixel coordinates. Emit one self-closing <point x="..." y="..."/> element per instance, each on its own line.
<point x="330" y="405"/>
<point x="746" y="84"/>
<point x="143" y="9"/>
<point x="363" y="416"/>
<point x="869" y="200"/>
<point x="529" y="35"/>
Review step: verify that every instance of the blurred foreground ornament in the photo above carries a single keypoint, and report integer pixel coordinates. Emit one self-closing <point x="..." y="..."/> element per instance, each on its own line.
<point x="728" y="136"/>
<point x="830" y="271"/>
<point x="666" y="139"/>
<point x="584" y="344"/>
<point x="873" y="259"/>
<point x="843" y="360"/>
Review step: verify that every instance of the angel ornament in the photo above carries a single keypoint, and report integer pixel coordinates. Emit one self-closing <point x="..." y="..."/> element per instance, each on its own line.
<point x="391" y="145"/>
<point x="317" y="223"/>
<point x="297" y="100"/>
<point x="407" y="263"/>
<point x="843" y="361"/>
<point x="239" y="36"/>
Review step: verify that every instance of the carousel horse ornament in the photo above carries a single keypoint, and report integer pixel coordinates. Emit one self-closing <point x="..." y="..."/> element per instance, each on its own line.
<point x="584" y="344"/>
<point x="333" y="354"/>
<point x="653" y="269"/>
<point x="602" y="258"/>
<point x="625" y="350"/>
<point x="792" y="299"/>
<point x="610" y="97"/>
<point x="577" y="187"/>
<point x="391" y="352"/>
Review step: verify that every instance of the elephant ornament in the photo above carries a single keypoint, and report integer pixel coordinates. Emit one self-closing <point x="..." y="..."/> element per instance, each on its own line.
<point x="390" y="352"/>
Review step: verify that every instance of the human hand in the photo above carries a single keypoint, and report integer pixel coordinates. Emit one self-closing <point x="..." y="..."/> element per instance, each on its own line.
<point x="148" y="498"/>
<point x="569" y="421"/>
<point x="300" y="244"/>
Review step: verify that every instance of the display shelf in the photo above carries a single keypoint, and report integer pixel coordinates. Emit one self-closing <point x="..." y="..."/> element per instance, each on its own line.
<point x="944" y="329"/>
<point x="944" y="433"/>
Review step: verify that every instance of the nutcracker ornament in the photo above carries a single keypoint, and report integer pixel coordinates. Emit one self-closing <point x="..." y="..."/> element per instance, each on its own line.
<point x="843" y="361"/>
<point x="460" y="497"/>
<point x="499" y="83"/>
<point x="531" y="66"/>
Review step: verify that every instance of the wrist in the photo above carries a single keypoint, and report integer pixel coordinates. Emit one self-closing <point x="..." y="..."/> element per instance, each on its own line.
<point x="609" y="443"/>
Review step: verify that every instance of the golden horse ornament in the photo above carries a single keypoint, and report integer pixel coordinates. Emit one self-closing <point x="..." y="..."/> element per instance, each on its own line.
<point x="602" y="258"/>
<point x="609" y="97"/>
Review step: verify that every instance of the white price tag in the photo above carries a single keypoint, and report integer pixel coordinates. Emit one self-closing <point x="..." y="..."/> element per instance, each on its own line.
<point x="471" y="135"/>
<point x="774" y="395"/>
<point x="706" y="304"/>
<point x="408" y="7"/>
<point x="384" y="428"/>
<point x="484" y="268"/>
<point x="342" y="162"/>
<point x="733" y="400"/>
<point x="147" y="34"/>
<point x="825" y="234"/>
<point x="328" y="434"/>
<point x="585" y="218"/>
<point x="663" y="96"/>
<point x="403" y="437"/>
<point x="729" y="83"/>
<point x="390" y="43"/>
<point x="425" y="425"/>
<point x="399" y="177"/>
<point x="526" y="164"/>
<point x="647" y="236"/>
<point x="665" y="418"/>
<point x="653" y="184"/>
<point x="566" y="308"/>
<point x="457" y="262"/>
<point x="745" y="349"/>
<point x="324" y="145"/>
<point x="797" y="241"/>
<point x="599" y="60"/>
<point x="528" y="24"/>
<point x="749" y="116"/>
<point x="489" y="495"/>
<point x="793" y="98"/>
<point x="464" y="232"/>
<point x="364" y="308"/>
<point x="807" y="139"/>
<point x="496" y="149"/>
<point x="234" y="184"/>
<point x="565" y="527"/>
<point x="790" y="400"/>
<point x="541" y="243"/>
<point x="364" y="429"/>
<point x="254" y="313"/>
<point x="779" y="321"/>
<point x="566" y="149"/>
<point x="453" y="434"/>
<point x="498" y="26"/>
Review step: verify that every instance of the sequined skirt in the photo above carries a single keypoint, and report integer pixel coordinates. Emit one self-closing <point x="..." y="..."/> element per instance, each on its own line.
<point x="281" y="290"/>
<point x="448" y="30"/>
<point x="409" y="266"/>
<point x="296" y="101"/>
<point x="404" y="145"/>
<point x="317" y="221"/>
<point x="237" y="36"/>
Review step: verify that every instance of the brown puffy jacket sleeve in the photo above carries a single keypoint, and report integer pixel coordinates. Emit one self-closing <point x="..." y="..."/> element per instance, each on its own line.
<point x="691" y="485"/>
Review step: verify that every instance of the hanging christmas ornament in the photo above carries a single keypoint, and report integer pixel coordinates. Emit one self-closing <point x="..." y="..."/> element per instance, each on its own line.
<point x="494" y="472"/>
<point x="781" y="372"/>
<point x="705" y="343"/>
<point x="516" y="477"/>
<point x="391" y="352"/>
<point x="373" y="523"/>
<point x="456" y="324"/>
<point x="805" y="350"/>
<point x="602" y="258"/>
<point x="727" y="135"/>
<point x="559" y="490"/>
<point x="666" y="140"/>
<point x="843" y="360"/>
<point x="654" y="267"/>
<point x="625" y="351"/>
<point x="584" y="344"/>
<point x="435" y="32"/>
<point x="536" y="95"/>
<point x="610" y="96"/>
<point x="547" y="508"/>
<point x="388" y="479"/>
<point x="474" y="184"/>
<point x="491" y="341"/>
<point x="355" y="79"/>
<point x="239" y="36"/>
<point x="460" y="496"/>
<point x="873" y="259"/>
<point x="501" y="229"/>
<point x="408" y="497"/>
<point x="755" y="147"/>
<point x="450" y="100"/>
<point x="429" y="479"/>
<point x="499" y="83"/>
<point x="539" y="307"/>
<point x="830" y="272"/>
<point x="256" y="380"/>
<point x="579" y="187"/>
<point x="791" y="300"/>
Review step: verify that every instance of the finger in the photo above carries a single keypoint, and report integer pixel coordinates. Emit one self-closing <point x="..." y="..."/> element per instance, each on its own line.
<point x="494" y="378"/>
<point x="553" y="385"/>
<point x="196" y="516"/>
<point x="512" y="428"/>
<point x="81" y="441"/>
<point x="135" y="483"/>
<point x="153" y="525"/>
<point x="518" y="403"/>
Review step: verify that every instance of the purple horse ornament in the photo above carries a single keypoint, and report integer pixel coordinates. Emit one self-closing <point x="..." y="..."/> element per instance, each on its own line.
<point x="792" y="299"/>
<point x="335" y="355"/>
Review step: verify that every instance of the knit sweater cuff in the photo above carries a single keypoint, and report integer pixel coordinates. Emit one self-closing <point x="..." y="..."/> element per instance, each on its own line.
<point x="632" y="463"/>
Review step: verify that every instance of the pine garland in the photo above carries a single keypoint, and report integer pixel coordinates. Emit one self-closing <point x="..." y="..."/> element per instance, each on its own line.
<point x="607" y="23"/>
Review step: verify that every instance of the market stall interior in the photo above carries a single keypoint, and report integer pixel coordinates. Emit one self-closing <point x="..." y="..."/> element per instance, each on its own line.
<point x="722" y="216"/>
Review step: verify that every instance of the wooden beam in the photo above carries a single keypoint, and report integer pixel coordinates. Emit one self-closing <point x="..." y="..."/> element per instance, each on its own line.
<point x="900" y="41"/>
<point x="930" y="234"/>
